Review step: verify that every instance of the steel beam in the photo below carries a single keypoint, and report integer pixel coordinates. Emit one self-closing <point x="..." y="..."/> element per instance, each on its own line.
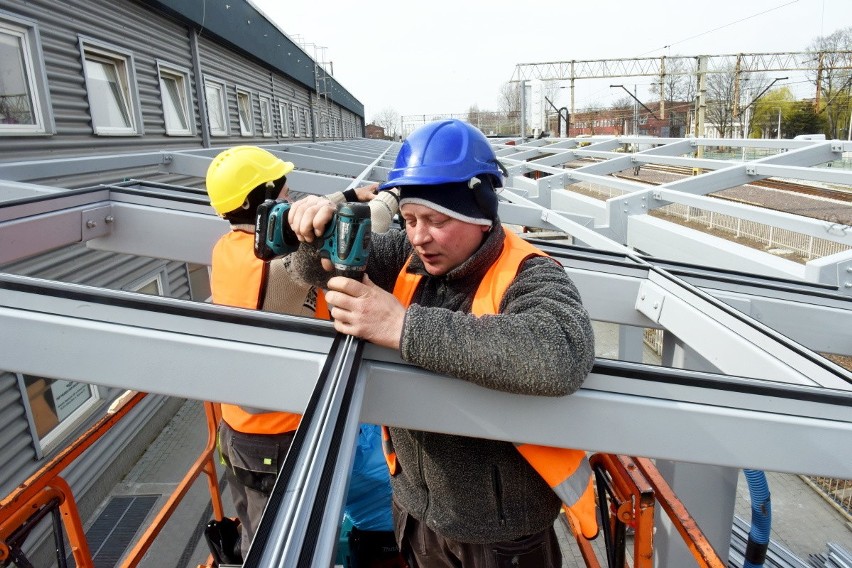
<point x="91" y="335"/>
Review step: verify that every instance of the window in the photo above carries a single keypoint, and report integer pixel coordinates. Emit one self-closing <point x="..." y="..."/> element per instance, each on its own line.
<point x="24" y="104"/>
<point x="306" y="116"/>
<point x="246" y="115"/>
<point x="56" y="405"/>
<point x="199" y="282"/>
<point x="111" y="86"/>
<point x="265" y="116"/>
<point x="294" y="119"/>
<point x="214" y="96"/>
<point x="175" y="94"/>
<point x="285" y="119"/>
<point x="155" y="284"/>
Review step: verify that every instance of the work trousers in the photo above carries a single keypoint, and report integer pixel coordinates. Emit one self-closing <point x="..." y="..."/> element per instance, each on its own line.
<point x="424" y="548"/>
<point x="252" y="465"/>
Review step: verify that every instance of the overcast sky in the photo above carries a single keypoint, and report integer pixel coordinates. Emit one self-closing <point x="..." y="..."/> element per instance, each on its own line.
<point x="442" y="56"/>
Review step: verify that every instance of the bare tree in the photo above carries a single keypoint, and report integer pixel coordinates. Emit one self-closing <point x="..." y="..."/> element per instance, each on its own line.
<point x="720" y="100"/>
<point x="473" y="115"/>
<point x="835" y="80"/>
<point x="388" y="118"/>
<point x="678" y="82"/>
<point x="510" y="106"/>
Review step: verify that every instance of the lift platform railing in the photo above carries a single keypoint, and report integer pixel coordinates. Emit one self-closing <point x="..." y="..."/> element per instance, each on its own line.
<point x="628" y="488"/>
<point x="47" y="493"/>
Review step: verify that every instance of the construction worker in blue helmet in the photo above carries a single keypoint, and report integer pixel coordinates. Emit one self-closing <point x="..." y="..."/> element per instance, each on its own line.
<point x="458" y="294"/>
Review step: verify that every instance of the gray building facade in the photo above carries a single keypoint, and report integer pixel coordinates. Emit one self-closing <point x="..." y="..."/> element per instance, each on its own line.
<point x="87" y="78"/>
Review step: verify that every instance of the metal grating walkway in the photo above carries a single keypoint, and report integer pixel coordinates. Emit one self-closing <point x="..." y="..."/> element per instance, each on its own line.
<point x="114" y="529"/>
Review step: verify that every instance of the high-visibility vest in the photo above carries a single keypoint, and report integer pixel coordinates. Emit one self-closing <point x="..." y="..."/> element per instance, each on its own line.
<point x="238" y="279"/>
<point x="566" y="471"/>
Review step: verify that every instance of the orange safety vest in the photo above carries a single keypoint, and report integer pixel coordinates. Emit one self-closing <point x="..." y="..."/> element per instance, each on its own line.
<point x="238" y="279"/>
<point x="566" y="471"/>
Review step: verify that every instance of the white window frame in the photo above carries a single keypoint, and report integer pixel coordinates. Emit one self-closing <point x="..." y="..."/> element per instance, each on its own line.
<point x="64" y="425"/>
<point x="245" y="110"/>
<point x="265" y="115"/>
<point x="160" y="279"/>
<point x="127" y="97"/>
<point x="284" y="113"/>
<point x="167" y="72"/>
<point x="294" y="117"/>
<point x="220" y="94"/>
<point x="306" y="116"/>
<point x="26" y="32"/>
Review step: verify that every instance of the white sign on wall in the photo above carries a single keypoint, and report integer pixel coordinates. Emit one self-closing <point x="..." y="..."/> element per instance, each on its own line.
<point x="68" y="396"/>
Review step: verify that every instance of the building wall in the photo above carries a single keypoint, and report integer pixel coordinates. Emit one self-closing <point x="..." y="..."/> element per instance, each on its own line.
<point x="149" y="36"/>
<point x="93" y="474"/>
<point x="375" y="131"/>
<point x="151" y="39"/>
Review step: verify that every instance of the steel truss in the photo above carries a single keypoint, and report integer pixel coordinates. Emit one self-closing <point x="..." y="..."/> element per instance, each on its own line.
<point x="743" y="379"/>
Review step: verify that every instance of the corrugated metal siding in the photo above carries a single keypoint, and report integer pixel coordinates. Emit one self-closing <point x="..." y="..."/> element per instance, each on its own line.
<point x="220" y="64"/>
<point x="126" y="25"/>
<point x="178" y="280"/>
<point x="79" y="265"/>
<point x="150" y="36"/>
<point x="16" y="449"/>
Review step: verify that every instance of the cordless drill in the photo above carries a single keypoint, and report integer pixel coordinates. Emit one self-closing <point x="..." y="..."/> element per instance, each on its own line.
<point x="345" y="241"/>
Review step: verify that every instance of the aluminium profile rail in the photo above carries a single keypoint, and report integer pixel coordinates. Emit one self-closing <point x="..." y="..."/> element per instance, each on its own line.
<point x="302" y="517"/>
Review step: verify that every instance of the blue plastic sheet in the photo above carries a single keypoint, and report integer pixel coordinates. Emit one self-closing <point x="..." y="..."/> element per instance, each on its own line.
<point x="368" y="502"/>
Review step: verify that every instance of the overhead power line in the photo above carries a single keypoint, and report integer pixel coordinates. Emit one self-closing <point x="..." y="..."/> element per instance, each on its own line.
<point x="720" y="27"/>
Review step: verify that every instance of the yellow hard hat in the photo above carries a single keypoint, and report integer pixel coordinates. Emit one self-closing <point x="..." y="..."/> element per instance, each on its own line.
<point x="234" y="173"/>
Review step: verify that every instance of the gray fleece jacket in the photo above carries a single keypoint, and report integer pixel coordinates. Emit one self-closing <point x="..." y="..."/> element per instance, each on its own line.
<point x="541" y="343"/>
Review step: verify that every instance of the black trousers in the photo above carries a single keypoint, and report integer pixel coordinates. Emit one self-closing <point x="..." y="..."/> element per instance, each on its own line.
<point x="424" y="548"/>
<point x="253" y="462"/>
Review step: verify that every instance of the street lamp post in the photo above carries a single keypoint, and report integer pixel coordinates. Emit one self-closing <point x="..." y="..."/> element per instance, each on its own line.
<point x="779" y="123"/>
<point x="754" y="100"/>
<point x="635" y="108"/>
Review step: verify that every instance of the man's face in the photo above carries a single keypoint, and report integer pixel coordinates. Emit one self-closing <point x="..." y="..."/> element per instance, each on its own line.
<point x="442" y="242"/>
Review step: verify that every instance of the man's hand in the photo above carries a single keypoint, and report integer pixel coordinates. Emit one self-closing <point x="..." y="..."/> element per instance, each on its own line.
<point x="366" y="311"/>
<point x="309" y="217"/>
<point x="366" y="193"/>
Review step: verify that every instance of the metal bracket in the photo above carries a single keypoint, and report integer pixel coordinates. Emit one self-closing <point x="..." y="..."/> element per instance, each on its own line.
<point x="649" y="301"/>
<point x="750" y="170"/>
<point x="96" y="222"/>
<point x="837" y="146"/>
<point x="844" y="278"/>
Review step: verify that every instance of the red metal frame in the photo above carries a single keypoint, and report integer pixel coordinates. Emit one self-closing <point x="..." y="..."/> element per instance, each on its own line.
<point x="46" y="488"/>
<point x="632" y="487"/>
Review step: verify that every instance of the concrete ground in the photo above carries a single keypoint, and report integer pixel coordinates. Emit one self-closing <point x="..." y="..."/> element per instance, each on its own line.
<point x="802" y="521"/>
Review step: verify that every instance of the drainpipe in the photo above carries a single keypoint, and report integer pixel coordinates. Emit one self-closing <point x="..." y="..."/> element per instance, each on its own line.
<point x="199" y="89"/>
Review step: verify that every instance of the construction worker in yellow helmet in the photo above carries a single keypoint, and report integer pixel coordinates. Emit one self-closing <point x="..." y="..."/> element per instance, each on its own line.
<point x="252" y="441"/>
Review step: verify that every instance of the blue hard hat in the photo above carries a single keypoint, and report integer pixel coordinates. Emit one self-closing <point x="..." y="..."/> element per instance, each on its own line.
<point x="445" y="151"/>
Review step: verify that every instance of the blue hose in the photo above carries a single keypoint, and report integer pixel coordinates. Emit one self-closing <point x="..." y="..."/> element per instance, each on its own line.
<point x="761" y="519"/>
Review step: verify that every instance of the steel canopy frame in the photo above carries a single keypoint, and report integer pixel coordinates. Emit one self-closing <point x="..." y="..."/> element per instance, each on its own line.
<point x="755" y="326"/>
<point x="106" y="337"/>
